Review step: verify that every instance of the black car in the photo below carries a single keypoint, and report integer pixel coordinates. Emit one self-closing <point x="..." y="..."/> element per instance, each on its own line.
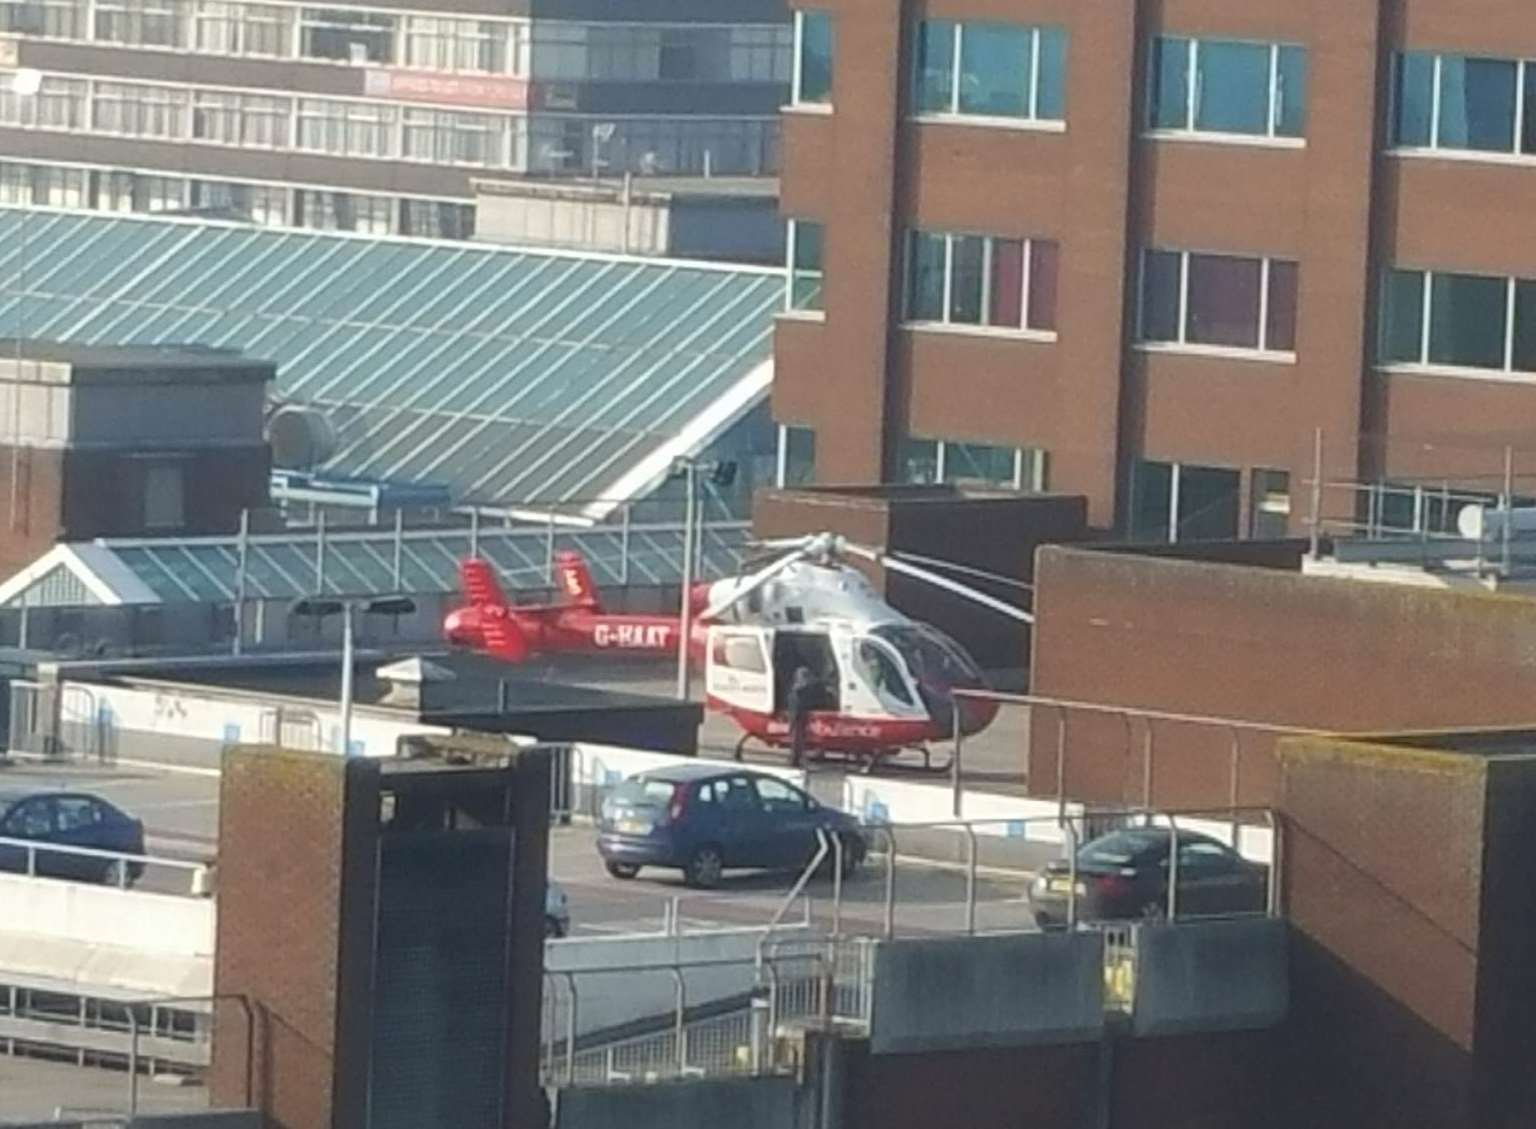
<point x="70" y="819"/>
<point x="704" y="819"/>
<point x="1124" y="875"/>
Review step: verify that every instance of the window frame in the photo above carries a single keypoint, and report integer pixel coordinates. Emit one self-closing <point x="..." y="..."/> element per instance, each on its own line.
<point x="1030" y="464"/>
<point x="1261" y="352"/>
<point x="793" y="274"/>
<point x="1516" y="154"/>
<point x="1426" y="325"/>
<point x="1190" y="131"/>
<point x="954" y="115"/>
<point x="797" y="100"/>
<point x="945" y="323"/>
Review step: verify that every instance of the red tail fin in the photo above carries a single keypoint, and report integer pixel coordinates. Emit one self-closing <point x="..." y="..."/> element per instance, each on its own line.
<point x="573" y="581"/>
<point x="478" y="580"/>
<point x="502" y="635"/>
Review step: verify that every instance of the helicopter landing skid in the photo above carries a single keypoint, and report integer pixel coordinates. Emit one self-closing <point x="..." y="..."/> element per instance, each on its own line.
<point x="865" y="760"/>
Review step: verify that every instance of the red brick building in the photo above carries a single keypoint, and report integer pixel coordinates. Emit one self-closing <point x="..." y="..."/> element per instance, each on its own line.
<point x="1144" y="251"/>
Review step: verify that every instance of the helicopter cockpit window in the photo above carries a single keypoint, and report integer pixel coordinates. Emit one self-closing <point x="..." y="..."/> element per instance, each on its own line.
<point x="881" y="672"/>
<point x="932" y="656"/>
<point x="739" y="653"/>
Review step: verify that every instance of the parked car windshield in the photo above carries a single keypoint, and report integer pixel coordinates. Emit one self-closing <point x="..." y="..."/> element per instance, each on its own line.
<point x="1124" y="848"/>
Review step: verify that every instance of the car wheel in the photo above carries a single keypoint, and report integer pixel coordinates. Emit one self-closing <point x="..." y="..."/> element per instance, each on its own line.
<point x="704" y="868"/>
<point x="116" y="874"/>
<point x="552" y="928"/>
<point x="625" y="870"/>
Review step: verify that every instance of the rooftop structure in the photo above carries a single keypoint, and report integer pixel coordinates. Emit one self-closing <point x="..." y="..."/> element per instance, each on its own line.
<point x="372" y="118"/>
<point x="506" y="376"/>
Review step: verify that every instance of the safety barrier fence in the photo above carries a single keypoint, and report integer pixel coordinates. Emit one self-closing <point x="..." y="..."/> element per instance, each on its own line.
<point x="744" y="1028"/>
<point x="37" y="859"/>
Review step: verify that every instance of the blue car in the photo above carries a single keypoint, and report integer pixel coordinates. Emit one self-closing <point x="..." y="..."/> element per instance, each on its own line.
<point x="70" y="819"/>
<point x="705" y="819"/>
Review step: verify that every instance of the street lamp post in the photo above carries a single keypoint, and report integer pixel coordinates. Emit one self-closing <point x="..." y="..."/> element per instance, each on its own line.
<point x="324" y="607"/>
<point x="721" y="474"/>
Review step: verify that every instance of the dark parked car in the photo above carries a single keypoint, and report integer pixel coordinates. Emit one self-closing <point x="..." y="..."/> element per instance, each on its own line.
<point x="1125" y="875"/>
<point x="70" y="819"/>
<point x="704" y="819"/>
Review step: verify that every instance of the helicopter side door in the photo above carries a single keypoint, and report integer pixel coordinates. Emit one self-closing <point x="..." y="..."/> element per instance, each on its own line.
<point x="878" y="683"/>
<point x="738" y="668"/>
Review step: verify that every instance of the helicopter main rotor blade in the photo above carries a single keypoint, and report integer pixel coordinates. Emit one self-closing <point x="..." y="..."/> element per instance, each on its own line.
<point x="752" y="583"/>
<point x="895" y="564"/>
<point x="964" y="570"/>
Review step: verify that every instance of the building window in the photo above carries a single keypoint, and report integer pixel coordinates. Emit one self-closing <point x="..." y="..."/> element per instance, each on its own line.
<point x="1222" y="301"/>
<point x="355" y="129"/>
<point x="1227" y="87"/>
<point x="42" y="184"/>
<point x="47" y="19"/>
<point x="812" y="79"/>
<point x="990" y="70"/>
<point x="347" y="35"/>
<point x="140" y="111"/>
<point x="137" y="192"/>
<point x="342" y="211"/>
<point x="1269" y="506"/>
<point x="261" y="204"/>
<point x="1474" y="105"/>
<point x="797" y="456"/>
<point x="59" y="104"/>
<point x="143" y="23"/>
<point x="445" y="44"/>
<point x="982" y="280"/>
<point x="241" y="119"/>
<point x="805" y="238"/>
<point x="1459" y="321"/>
<point x="264" y="30"/>
<point x="1182" y="502"/>
<point x="954" y="463"/>
<point x="761" y="54"/>
<point x="455" y="138"/>
<point x="163" y="497"/>
<point x="436" y="219"/>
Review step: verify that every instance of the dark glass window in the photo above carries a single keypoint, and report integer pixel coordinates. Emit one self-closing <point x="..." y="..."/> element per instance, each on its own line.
<point x="1291" y="92"/>
<point x="965" y="282"/>
<point x="1477" y="104"/>
<point x="1280" y="330"/>
<point x="996" y="69"/>
<point x="1224" y="301"/>
<point x="925" y="278"/>
<point x="1413" y="100"/>
<point x="1467" y="320"/>
<point x="1232" y="84"/>
<point x="1402" y="322"/>
<point x="935" y="66"/>
<point x="1169" y="102"/>
<point x="1524" y="357"/>
<point x="1160" y="287"/>
<point x="815" y="78"/>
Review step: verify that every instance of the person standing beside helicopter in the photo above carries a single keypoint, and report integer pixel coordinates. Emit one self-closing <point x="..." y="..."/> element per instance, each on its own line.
<point x="803" y="689"/>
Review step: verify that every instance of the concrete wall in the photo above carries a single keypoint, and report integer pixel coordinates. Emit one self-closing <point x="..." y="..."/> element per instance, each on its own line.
<point x="1259" y="644"/>
<point x="741" y="1103"/>
<point x="1211" y="976"/>
<point x="957" y="992"/>
<point x="105" y="915"/>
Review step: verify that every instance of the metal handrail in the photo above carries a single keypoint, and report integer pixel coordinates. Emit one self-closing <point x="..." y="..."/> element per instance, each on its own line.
<point x="34" y="847"/>
<point x="160" y="1001"/>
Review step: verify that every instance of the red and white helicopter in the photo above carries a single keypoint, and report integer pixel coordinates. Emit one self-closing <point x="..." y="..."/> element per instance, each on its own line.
<point x="886" y="681"/>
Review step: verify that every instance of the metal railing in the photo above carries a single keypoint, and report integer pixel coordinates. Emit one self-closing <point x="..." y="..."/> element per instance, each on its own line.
<point x="734" y="1032"/>
<point x="117" y="868"/>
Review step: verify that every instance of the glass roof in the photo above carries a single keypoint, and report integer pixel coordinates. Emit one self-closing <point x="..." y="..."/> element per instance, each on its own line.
<point x="376" y="562"/>
<point x="508" y="375"/>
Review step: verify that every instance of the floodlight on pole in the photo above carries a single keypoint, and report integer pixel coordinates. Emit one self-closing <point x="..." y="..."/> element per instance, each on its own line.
<point x="326" y="606"/>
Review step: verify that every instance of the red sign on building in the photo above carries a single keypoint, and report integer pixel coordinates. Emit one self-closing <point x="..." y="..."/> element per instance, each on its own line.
<point x="486" y="91"/>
